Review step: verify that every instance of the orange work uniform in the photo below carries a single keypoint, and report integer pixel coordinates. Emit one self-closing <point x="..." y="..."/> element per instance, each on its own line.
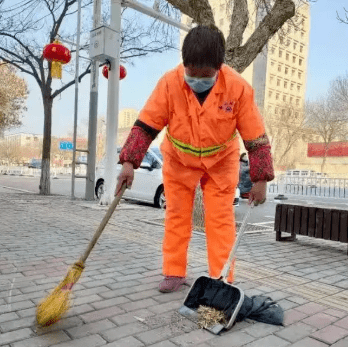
<point x="201" y="146"/>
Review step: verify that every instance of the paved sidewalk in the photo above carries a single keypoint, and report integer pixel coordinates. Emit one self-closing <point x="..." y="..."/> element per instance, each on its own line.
<point x="116" y="302"/>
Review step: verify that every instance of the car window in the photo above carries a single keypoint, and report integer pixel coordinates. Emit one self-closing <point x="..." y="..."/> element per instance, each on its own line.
<point x="157" y="151"/>
<point x="148" y="158"/>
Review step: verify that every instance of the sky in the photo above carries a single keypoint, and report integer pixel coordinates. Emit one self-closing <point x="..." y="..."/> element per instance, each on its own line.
<point x="328" y="59"/>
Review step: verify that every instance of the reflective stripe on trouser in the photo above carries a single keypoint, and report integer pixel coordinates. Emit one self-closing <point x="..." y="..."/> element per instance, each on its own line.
<point x="180" y="183"/>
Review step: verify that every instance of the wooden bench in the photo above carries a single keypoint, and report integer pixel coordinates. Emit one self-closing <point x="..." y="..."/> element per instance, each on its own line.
<point x="321" y="222"/>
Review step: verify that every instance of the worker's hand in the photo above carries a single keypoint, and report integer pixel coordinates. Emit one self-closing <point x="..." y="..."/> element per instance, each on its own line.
<point x="258" y="193"/>
<point x="126" y="175"/>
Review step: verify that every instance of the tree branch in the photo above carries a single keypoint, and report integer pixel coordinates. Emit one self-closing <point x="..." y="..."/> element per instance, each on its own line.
<point x="59" y="91"/>
<point x="183" y="6"/>
<point x="344" y="21"/>
<point x="239" y="22"/>
<point x="16" y="63"/>
<point x="241" y="57"/>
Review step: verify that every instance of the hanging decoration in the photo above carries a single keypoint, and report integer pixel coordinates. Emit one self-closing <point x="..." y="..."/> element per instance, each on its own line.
<point x="57" y="54"/>
<point x="106" y="68"/>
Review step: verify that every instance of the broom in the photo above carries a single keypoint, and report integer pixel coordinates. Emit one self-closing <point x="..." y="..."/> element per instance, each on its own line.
<point x="51" y="309"/>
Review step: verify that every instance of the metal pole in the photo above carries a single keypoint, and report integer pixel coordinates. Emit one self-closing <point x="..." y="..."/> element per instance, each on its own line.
<point x="153" y="13"/>
<point x="76" y="98"/>
<point x="93" y="113"/>
<point x="112" y="109"/>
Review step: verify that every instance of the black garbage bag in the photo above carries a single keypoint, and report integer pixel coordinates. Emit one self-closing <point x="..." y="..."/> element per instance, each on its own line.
<point x="262" y="309"/>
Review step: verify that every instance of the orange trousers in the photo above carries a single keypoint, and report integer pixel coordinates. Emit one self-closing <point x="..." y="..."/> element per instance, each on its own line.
<point x="180" y="183"/>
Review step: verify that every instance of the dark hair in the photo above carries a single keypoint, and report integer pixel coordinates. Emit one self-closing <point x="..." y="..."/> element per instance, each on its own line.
<point x="204" y="46"/>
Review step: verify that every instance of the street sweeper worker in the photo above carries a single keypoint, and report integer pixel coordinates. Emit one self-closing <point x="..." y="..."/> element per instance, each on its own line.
<point x="202" y="103"/>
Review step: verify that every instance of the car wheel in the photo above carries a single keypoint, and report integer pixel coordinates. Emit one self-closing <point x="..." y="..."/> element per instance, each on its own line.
<point x="236" y="202"/>
<point x="160" y="199"/>
<point x="99" y="189"/>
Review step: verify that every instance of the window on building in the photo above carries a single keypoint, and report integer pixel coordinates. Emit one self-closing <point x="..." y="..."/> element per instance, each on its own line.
<point x="288" y="42"/>
<point x="273" y="50"/>
<point x="299" y="75"/>
<point x="280" y="53"/>
<point x="279" y="68"/>
<point x="283" y="111"/>
<point x="292" y="86"/>
<point x="272" y="63"/>
<point x="281" y="40"/>
<point x="297" y="102"/>
<point x="284" y="98"/>
<point x="291" y="99"/>
<point x="295" y="45"/>
<point x="294" y="59"/>
<point x="278" y="82"/>
<point x="293" y="72"/>
<point x="302" y="34"/>
<point x="298" y="88"/>
<point x="300" y="62"/>
<point x="286" y="70"/>
<point x="296" y="115"/>
<point x="270" y="94"/>
<point x="287" y="56"/>
<point x="276" y="110"/>
<point x="285" y="84"/>
<point x="277" y="96"/>
<point x="301" y="49"/>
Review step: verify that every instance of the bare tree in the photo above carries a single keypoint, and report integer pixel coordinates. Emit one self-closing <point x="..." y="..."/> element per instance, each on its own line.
<point x="10" y="153"/>
<point x="327" y="122"/>
<point x="339" y="93"/>
<point x="285" y="126"/>
<point x="27" y="26"/>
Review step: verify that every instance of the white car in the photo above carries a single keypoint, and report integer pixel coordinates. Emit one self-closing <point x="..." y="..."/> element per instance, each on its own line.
<point x="148" y="181"/>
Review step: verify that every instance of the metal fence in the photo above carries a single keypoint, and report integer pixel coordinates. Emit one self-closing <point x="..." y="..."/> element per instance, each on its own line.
<point x="311" y="186"/>
<point x="25" y="171"/>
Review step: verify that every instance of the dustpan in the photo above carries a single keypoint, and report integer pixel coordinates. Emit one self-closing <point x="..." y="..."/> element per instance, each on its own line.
<point x="217" y="293"/>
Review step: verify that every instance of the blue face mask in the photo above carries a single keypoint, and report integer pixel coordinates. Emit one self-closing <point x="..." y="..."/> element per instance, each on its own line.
<point x="200" y="84"/>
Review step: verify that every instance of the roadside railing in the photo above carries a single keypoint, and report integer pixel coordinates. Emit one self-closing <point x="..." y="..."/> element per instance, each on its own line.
<point x="33" y="172"/>
<point x="310" y="186"/>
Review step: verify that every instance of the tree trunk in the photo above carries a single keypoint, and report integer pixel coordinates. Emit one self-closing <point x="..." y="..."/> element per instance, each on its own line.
<point x="198" y="210"/>
<point x="45" y="188"/>
<point x="323" y="164"/>
<point x="324" y="159"/>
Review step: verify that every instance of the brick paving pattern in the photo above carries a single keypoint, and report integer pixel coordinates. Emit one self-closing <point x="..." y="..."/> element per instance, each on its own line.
<point x="116" y="301"/>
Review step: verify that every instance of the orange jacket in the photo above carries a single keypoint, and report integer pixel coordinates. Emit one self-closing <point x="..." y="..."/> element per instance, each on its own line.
<point x="208" y="129"/>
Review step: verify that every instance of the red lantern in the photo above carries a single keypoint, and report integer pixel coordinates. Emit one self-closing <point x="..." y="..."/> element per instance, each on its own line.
<point x="57" y="54"/>
<point x="105" y="71"/>
<point x="123" y="72"/>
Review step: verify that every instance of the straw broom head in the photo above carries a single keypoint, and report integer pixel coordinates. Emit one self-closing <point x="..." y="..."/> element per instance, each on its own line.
<point x="51" y="309"/>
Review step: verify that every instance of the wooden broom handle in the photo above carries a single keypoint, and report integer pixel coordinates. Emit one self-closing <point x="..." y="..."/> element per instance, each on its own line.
<point x="103" y="223"/>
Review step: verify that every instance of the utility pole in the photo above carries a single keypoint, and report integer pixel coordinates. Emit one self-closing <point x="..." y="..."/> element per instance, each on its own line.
<point x="113" y="88"/>
<point x="112" y="107"/>
<point x="76" y="97"/>
<point x="93" y="112"/>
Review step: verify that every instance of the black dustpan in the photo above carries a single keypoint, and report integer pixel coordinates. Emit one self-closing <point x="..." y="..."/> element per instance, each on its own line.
<point x="217" y="293"/>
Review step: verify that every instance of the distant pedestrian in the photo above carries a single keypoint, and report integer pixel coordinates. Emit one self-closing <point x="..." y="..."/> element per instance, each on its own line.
<point x="202" y="103"/>
<point x="245" y="183"/>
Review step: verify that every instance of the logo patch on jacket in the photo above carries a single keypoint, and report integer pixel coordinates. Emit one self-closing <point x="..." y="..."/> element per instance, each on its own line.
<point x="227" y="106"/>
